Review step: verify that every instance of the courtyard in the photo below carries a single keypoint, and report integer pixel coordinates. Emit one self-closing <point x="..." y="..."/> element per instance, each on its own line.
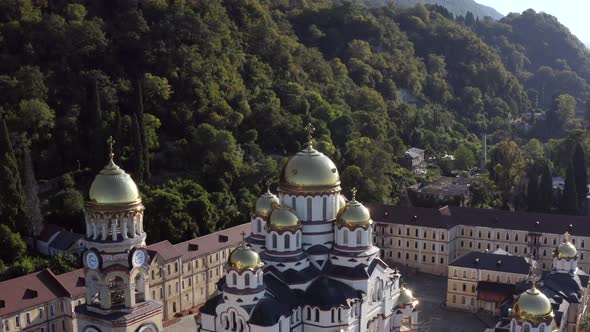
<point x="431" y="290"/>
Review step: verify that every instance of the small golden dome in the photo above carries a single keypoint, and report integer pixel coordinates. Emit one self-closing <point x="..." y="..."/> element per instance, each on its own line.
<point x="341" y="202"/>
<point x="113" y="186"/>
<point x="309" y="171"/>
<point x="354" y="214"/>
<point x="566" y="249"/>
<point x="244" y="258"/>
<point x="406" y="297"/>
<point x="533" y="306"/>
<point x="265" y="203"/>
<point x="283" y="218"/>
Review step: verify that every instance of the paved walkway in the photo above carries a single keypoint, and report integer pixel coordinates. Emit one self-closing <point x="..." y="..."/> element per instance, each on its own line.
<point x="185" y="324"/>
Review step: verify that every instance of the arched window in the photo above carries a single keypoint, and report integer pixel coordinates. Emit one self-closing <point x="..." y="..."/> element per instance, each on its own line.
<point x="308" y="313"/>
<point x="309" y="209"/>
<point x="345" y="236"/>
<point x="324" y="208"/>
<point x="527" y="327"/>
<point x="233" y="320"/>
<point x="259" y="226"/>
<point x="333" y="314"/>
<point x="317" y="314"/>
<point x="287" y="241"/>
<point x="297" y="240"/>
<point x="339" y="314"/>
<point x="274" y="241"/>
<point x="247" y="279"/>
<point x="358" y="237"/>
<point x="294" y="203"/>
<point x="542" y="328"/>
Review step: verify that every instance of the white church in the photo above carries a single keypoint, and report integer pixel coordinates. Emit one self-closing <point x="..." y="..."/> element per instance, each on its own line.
<point x="309" y="263"/>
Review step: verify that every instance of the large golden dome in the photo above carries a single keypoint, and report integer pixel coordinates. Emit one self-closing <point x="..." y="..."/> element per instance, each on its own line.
<point x="113" y="186"/>
<point x="406" y="297"/>
<point x="283" y="218"/>
<point x="566" y="249"/>
<point x="244" y="258"/>
<point x="533" y="306"/>
<point x="309" y="171"/>
<point x="265" y="203"/>
<point x="354" y="214"/>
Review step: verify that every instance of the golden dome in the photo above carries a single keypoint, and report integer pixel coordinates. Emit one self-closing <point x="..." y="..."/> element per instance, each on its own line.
<point x="113" y="186"/>
<point x="309" y="171"/>
<point x="406" y="297"/>
<point x="341" y="202"/>
<point x="283" y="218"/>
<point x="354" y="214"/>
<point x="265" y="203"/>
<point x="244" y="258"/>
<point x="566" y="249"/>
<point x="533" y="306"/>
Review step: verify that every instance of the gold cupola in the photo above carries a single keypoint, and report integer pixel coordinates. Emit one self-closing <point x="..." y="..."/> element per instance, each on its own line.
<point x="266" y="203"/>
<point x="354" y="214"/>
<point x="309" y="171"/>
<point x="113" y="185"/>
<point x="282" y="218"/>
<point x="244" y="258"/>
<point x="533" y="307"/>
<point x="566" y="250"/>
<point x="406" y="298"/>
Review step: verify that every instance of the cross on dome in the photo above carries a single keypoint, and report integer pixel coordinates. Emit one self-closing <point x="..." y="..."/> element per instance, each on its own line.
<point x="567" y="236"/>
<point x="243" y="236"/>
<point x="111" y="142"/>
<point x="532" y="278"/>
<point x="353" y="190"/>
<point x="310" y="130"/>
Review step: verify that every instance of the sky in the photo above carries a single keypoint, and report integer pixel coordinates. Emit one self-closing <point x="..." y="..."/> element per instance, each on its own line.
<point x="571" y="13"/>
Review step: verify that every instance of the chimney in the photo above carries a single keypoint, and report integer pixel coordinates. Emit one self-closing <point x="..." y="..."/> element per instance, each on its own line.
<point x="499" y="262"/>
<point x="476" y="261"/>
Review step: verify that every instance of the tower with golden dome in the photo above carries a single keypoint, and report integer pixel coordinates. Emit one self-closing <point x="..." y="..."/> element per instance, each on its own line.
<point x="309" y="263"/>
<point x="116" y="264"/>
<point x="533" y="312"/>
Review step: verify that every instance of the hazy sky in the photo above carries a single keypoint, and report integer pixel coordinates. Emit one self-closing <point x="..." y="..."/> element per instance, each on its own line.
<point x="571" y="13"/>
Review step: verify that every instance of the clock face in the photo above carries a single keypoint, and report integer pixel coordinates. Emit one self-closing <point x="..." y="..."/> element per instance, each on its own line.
<point x="138" y="258"/>
<point x="91" y="260"/>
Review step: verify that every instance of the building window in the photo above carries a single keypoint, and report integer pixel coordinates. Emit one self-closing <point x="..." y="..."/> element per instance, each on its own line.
<point x="455" y="273"/>
<point x="464" y="287"/>
<point x="454" y="299"/>
<point x="358" y="237"/>
<point x="424" y="246"/>
<point x="497" y="278"/>
<point x="479" y="245"/>
<point x="464" y="274"/>
<point x="424" y="258"/>
<point x="442" y="236"/>
<point x="308" y="313"/>
<point x="442" y="247"/>
<point x="52" y="310"/>
<point x="407" y="256"/>
<point x="416" y="258"/>
<point x="507" y="236"/>
<point x="28" y="318"/>
<point x="416" y="233"/>
<point x="345" y="236"/>
<point x="442" y="260"/>
<point x="309" y="209"/>
<point x="497" y="235"/>
<point x="489" y="235"/>
<point x="41" y="313"/>
<point x="153" y="275"/>
<point x="259" y="226"/>
<point x="399" y="254"/>
<point x="472" y="301"/>
<point x="407" y="231"/>
<point x="470" y="233"/>
<point x="287" y="241"/>
<point x="63" y="325"/>
<point x="399" y="243"/>
<point x="297" y="240"/>
<point x="554" y="241"/>
<point x="470" y="244"/>
<point x="473" y="288"/>
<point x="324" y="208"/>
<point x="399" y="231"/>
<point x="462" y="299"/>
<point x="317" y="314"/>
<point x="479" y="234"/>
<point x="274" y="241"/>
<point x="247" y="280"/>
<point x="462" y="231"/>
<point x="425" y="235"/>
<point x="168" y="266"/>
<point x="17" y="321"/>
<point x="433" y="247"/>
<point x="508" y="279"/>
<point x="462" y="244"/>
<point x="516" y="237"/>
<point x="62" y="307"/>
<point x="433" y="259"/>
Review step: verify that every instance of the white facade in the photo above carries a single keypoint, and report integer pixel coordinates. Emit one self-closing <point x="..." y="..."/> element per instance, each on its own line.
<point x="319" y="274"/>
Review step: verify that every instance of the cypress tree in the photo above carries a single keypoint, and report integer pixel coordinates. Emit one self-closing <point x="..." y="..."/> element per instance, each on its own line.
<point x="33" y="210"/>
<point x="137" y="149"/>
<point x="145" y="148"/>
<point x="580" y="173"/>
<point x="532" y="197"/>
<point x="569" y="200"/>
<point x="95" y="131"/>
<point x="117" y="129"/>
<point x="12" y="198"/>
<point x="545" y="197"/>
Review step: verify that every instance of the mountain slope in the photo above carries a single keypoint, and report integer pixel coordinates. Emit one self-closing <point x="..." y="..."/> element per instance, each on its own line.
<point x="457" y="7"/>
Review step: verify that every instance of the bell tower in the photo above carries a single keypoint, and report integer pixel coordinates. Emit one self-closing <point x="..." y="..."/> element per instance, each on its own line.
<point x="116" y="264"/>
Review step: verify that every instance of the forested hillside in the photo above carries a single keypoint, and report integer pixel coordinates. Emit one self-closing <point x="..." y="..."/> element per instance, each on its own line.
<point x="203" y="97"/>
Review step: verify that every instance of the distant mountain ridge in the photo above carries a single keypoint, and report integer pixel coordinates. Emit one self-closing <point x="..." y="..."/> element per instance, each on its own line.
<point x="457" y="7"/>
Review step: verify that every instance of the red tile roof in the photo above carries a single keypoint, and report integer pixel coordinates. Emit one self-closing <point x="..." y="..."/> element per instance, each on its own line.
<point x="73" y="282"/>
<point x="212" y="242"/>
<point x="29" y="291"/>
<point x="165" y="249"/>
<point x="450" y="216"/>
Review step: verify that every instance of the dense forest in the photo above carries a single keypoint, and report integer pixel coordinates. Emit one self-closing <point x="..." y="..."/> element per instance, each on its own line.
<point x="205" y="99"/>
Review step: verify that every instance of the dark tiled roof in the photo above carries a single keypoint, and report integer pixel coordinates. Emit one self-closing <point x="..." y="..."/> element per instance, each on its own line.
<point x="493" y="262"/>
<point x="326" y="293"/>
<point x="64" y="240"/>
<point x="48" y="231"/>
<point x="164" y="249"/>
<point x="211" y="304"/>
<point x="268" y="311"/>
<point x="451" y="216"/>
<point x="357" y="272"/>
<point x="212" y="242"/>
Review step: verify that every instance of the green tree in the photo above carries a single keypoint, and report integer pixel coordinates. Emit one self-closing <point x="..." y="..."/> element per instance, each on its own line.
<point x="12" y="247"/>
<point x="580" y="174"/>
<point x="507" y="167"/>
<point x="532" y="196"/>
<point x="484" y="194"/>
<point x="34" y="223"/>
<point x="12" y="197"/>
<point x="464" y="158"/>
<point x="545" y="197"/>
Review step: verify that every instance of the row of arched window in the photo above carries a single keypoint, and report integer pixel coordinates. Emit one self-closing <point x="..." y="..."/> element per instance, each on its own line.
<point x="286" y="241"/>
